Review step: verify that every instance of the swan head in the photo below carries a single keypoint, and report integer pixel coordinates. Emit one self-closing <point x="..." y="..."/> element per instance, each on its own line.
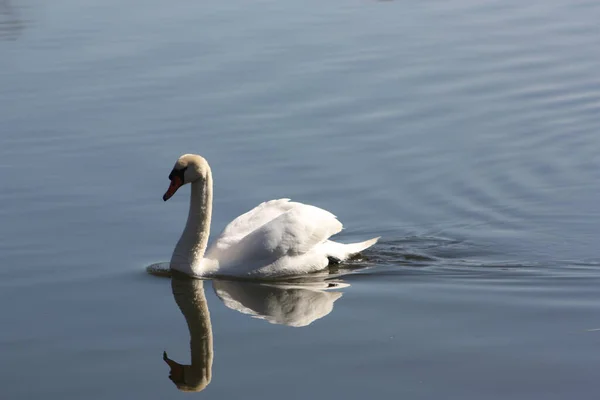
<point x="188" y="168"/>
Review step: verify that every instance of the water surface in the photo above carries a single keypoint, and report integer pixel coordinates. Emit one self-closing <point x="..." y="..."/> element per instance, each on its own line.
<point x="463" y="132"/>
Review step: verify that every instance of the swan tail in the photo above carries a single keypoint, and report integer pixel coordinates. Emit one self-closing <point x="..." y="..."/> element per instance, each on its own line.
<point x="355" y="248"/>
<point x="337" y="252"/>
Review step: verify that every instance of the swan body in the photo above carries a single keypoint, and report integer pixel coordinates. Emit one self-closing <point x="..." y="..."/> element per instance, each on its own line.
<point x="277" y="238"/>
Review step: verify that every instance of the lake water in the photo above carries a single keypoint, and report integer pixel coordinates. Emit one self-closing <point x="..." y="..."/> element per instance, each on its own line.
<point x="465" y="133"/>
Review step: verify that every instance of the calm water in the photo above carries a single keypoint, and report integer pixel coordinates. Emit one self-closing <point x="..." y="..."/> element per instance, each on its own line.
<point x="466" y="133"/>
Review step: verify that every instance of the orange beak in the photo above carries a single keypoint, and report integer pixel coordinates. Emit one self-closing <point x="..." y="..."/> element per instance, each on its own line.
<point x="175" y="184"/>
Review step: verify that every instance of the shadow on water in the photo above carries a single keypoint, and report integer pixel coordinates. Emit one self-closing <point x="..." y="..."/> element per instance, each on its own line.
<point x="293" y="304"/>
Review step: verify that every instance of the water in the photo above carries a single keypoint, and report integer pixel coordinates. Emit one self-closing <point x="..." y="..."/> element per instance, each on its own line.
<point x="463" y="132"/>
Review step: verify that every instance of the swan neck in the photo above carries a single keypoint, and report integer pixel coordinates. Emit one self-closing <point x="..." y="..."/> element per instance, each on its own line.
<point x="200" y="212"/>
<point x="188" y="254"/>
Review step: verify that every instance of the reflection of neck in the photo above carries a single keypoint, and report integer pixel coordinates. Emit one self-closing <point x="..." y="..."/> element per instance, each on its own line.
<point x="187" y="256"/>
<point x="189" y="295"/>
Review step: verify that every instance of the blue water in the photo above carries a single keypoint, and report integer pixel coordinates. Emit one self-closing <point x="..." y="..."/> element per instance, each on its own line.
<point x="464" y="133"/>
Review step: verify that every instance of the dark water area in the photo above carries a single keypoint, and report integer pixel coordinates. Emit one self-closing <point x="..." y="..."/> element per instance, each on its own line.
<point x="465" y="133"/>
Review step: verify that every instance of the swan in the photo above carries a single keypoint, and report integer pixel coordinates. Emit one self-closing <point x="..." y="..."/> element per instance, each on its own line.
<point x="275" y="239"/>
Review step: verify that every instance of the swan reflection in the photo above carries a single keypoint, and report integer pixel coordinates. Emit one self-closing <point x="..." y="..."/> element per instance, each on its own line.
<point x="189" y="296"/>
<point x="286" y="304"/>
<point x="293" y="304"/>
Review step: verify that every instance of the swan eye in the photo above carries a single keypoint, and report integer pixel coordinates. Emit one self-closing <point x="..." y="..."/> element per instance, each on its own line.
<point x="177" y="173"/>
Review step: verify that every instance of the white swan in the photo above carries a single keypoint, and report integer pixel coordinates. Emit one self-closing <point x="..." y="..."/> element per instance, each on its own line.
<point x="277" y="238"/>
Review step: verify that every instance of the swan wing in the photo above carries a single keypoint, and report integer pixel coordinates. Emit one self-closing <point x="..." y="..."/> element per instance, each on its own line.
<point x="248" y="222"/>
<point x="289" y="243"/>
<point x="294" y="232"/>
